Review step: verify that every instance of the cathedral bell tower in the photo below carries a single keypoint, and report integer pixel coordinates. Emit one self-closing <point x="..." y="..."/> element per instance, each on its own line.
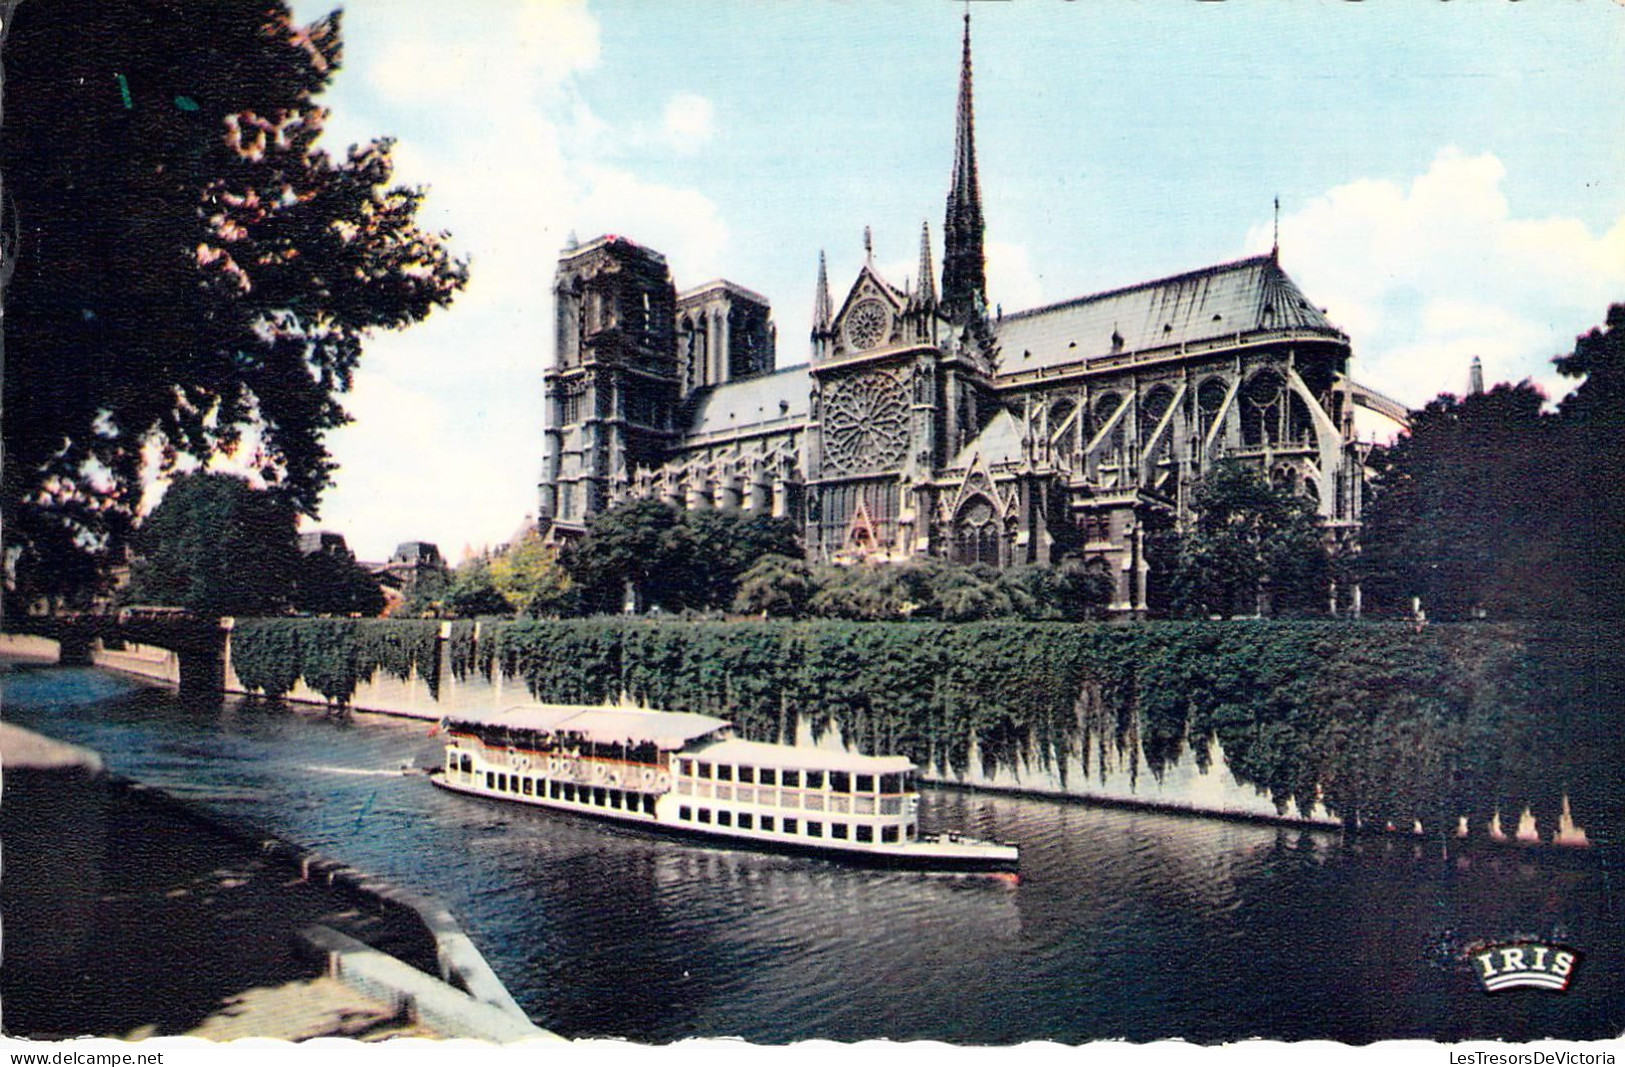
<point x="611" y="393"/>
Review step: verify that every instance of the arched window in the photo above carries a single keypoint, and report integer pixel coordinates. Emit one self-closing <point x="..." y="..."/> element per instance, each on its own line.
<point x="1209" y="399"/>
<point x="976" y="532"/>
<point x="1264" y="410"/>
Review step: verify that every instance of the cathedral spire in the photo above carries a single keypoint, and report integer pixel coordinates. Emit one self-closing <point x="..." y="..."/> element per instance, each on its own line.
<point x="823" y="307"/>
<point x="964" y="269"/>
<point x="928" y="281"/>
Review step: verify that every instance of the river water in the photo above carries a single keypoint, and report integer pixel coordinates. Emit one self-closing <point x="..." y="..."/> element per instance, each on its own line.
<point x="1122" y="924"/>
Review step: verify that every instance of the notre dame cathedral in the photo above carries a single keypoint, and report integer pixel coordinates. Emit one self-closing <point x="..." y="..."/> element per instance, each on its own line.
<point x="923" y="423"/>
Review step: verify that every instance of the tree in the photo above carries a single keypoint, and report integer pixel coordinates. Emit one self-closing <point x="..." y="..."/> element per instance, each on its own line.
<point x="326" y="583"/>
<point x="472" y="593"/>
<point x="643" y="547"/>
<point x="532" y="579"/>
<point x="1249" y="537"/>
<point x="1465" y="510"/>
<point x="193" y="275"/>
<point x="216" y="546"/>
<point x="776" y="586"/>
<point x="1590" y="421"/>
<point x="727" y="543"/>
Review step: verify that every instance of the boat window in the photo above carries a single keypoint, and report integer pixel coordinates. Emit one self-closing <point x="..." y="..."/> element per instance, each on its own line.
<point x="705" y="815"/>
<point x="725" y="818"/>
<point x="767" y="822"/>
<point x="553" y="790"/>
<point x="838" y="830"/>
<point x="888" y="835"/>
<point x="769" y="776"/>
<point x="502" y="783"/>
<point x="909" y="783"/>
<point x="865" y="784"/>
<point x="891" y="783"/>
<point x="747" y="774"/>
<point x="790" y="826"/>
<point x="725" y="773"/>
<point x="815" y="829"/>
<point x="840" y="781"/>
<point x="908" y="832"/>
<point x="866" y="834"/>
<point x="615" y="799"/>
<point x="569" y="791"/>
<point x="648" y="804"/>
<point x="527" y="786"/>
<point x="468" y="764"/>
<point x="598" y="796"/>
<point x="685" y="813"/>
<point x="745" y="821"/>
<point x="792" y="779"/>
<point x="815" y="779"/>
<point x="686" y="766"/>
<point x="704" y="769"/>
<point x="490" y="780"/>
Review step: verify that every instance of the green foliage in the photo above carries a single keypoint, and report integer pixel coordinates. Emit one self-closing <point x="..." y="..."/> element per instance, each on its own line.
<point x="333" y="656"/>
<point x="216" y="546"/>
<point x="1464" y="505"/>
<point x="329" y="584"/>
<point x="643" y="546"/>
<point x="531" y="578"/>
<point x="1249" y="538"/>
<point x="472" y="593"/>
<point x="192" y="270"/>
<point x="1493" y="507"/>
<point x="669" y="559"/>
<point x="775" y="586"/>
<point x="1379" y="723"/>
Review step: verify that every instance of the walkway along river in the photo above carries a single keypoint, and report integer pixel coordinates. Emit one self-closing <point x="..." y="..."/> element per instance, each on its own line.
<point x="1122" y="924"/>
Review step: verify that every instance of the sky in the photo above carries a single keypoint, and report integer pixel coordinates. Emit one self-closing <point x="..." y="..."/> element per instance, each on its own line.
<point x="1451" y="179"/>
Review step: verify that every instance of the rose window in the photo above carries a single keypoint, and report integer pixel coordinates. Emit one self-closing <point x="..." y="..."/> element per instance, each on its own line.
<point x="866" y="424"/>
<point x="867" y="324"/>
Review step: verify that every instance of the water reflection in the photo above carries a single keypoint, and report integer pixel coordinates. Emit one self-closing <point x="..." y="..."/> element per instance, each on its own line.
<point x="1122" y="924"/>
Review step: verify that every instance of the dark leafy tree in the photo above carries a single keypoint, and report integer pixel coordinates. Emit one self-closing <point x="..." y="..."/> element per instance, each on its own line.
<point x="777" y="587"/>
<point x="1252" y="544"/>
<point x="1466" y="509"/>
<point x="426" y="598"/>
<point x="326" y="583"/>
<point x="642" y="550"/>
<point x="473" y="593"/>
<point x="726" y="544"/>
<point x="1590" y="422"/>
<point x="217" y="546"/>
<point x="192" y="273"/>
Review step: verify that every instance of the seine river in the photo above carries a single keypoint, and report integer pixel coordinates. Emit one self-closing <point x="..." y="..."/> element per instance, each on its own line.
<point x="1122" y="924"/>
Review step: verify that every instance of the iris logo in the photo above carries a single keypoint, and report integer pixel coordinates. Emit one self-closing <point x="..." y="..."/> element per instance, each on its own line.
<point x="1524" y="965"/>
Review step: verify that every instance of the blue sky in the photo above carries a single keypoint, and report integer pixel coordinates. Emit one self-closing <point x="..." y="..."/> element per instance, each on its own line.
<point x="1451" y="176"/>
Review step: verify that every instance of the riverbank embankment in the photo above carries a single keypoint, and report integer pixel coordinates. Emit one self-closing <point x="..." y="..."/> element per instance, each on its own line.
<point x="132" y="914"/>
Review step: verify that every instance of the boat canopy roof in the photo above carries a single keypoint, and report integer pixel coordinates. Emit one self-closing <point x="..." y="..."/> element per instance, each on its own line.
<point x="598" y="725"/>
<point x="761" y="754"/>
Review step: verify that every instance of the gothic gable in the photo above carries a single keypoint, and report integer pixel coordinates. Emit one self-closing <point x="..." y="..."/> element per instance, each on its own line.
<point x="871" y="317"/>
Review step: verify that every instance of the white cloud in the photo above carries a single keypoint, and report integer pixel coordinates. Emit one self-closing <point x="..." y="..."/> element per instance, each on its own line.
<point x="689" y="122"/>
<point x="1427" y="276"/>
<point x="1012" y="283"/>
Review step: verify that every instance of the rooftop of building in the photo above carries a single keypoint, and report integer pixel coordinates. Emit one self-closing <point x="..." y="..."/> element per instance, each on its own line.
<point x="763" y="398"/>
<point x="1244" y="296"/>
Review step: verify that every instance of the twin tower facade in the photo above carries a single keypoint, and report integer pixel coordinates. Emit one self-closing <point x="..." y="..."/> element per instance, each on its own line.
<point x="924" y="425"/>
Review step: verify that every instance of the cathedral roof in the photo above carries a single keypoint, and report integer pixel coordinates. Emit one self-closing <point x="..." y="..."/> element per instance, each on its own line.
<point x="1204" y="305"/>
<point x="999" y="442"/>
<point x="751" y="401"/>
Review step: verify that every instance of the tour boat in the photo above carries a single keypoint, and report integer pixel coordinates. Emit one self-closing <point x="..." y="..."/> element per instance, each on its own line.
<point x="688" y="773"/>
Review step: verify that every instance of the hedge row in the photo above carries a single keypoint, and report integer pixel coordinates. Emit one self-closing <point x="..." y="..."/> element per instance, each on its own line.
<point x="1378" y="722"/>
